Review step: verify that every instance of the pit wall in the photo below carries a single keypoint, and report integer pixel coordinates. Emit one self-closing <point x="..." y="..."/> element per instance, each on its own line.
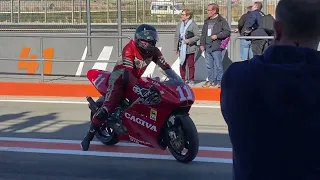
<point x="105" y="50"/>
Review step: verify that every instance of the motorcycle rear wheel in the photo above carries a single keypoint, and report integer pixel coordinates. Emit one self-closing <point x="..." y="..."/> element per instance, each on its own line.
<point x="105" y="135"/>
<point x="189" y="137"/>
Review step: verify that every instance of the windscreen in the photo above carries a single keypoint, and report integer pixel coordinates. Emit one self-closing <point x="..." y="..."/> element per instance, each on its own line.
<point x="171" y="77"/>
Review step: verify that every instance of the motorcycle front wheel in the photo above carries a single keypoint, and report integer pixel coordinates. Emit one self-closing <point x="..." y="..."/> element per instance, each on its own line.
<point x="183" y="135"/>
<point x="105" y="135"/>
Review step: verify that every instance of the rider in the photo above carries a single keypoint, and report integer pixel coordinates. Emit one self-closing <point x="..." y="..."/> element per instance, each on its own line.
<point x="136" y="56"/>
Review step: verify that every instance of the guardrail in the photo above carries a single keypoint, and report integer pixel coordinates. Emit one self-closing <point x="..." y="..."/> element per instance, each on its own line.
<point x="42" y="60"/>
<point x="82" y="28"/>
<point x="234" y="41"/>
<point x="88" y="39"/>
<point x="60" y="60"/>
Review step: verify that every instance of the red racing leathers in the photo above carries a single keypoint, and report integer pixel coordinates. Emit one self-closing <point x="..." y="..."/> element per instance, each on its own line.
<point x="128" y="69"/>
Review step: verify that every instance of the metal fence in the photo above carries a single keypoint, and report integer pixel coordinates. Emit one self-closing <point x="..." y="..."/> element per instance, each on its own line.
<point x="234" y="42"/>
<point x="74" y="12"/>
<point x="44" y="61"/>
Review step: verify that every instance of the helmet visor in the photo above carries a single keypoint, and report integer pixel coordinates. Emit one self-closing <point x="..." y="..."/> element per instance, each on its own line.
<point x="147" y="35"/>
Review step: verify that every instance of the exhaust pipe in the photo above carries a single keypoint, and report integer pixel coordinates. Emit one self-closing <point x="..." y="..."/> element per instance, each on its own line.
<point x="92" y="104"/>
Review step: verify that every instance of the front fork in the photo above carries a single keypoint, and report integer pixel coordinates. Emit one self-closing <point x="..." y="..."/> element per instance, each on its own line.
<point x="175" y="132"/>
<point x="164" y="138"/>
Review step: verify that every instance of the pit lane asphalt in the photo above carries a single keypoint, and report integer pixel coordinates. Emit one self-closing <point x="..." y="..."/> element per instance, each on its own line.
<point x="70" y="122"/>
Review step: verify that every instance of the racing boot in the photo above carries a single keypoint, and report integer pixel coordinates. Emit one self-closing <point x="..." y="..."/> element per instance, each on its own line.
<point x="85" y="143"/>
<point x="97" y="121"/>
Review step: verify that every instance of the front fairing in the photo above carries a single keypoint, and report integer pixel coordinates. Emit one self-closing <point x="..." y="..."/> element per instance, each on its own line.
<point x="175" y="91"/>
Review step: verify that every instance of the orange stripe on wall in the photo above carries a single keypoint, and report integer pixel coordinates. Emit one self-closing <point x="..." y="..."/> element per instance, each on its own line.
<point x="79" y="90"/>
<point x="207" y="94"/>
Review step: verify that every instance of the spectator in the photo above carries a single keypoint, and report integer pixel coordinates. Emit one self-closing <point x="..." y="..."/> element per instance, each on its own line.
<point x="215" y="29"/>
<point x="185" y="42"/>
<point x="271" y="103"/>
<point x="245" y="44"/>
<point x="252" y="28"/>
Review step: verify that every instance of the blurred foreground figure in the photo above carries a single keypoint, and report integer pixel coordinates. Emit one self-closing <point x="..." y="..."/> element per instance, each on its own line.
<point x="271" y="103"/>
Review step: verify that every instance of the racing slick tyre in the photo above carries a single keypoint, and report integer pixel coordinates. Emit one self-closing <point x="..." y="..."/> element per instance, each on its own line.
<point x="105" y="135"/>
<point x="182" y="135"/>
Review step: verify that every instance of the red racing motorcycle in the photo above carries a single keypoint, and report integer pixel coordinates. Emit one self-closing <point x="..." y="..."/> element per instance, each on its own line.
<point x="153" y="113"/>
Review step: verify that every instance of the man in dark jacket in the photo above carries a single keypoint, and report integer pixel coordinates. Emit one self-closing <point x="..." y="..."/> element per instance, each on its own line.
<point x="243" y="20"/>
<point x="271" y="103"/>
<point x="245" y="44"/>
<point x="214" y="30"/>
<point x="252" y="27"/>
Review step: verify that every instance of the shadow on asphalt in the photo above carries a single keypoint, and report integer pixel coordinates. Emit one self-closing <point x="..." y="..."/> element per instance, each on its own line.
<point x="31" y="122"/>
<point x="30" y="129"/>
<point x="139" y="169"/>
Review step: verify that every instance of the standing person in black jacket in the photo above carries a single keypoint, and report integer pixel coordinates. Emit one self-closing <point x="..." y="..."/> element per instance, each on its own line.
<point x="245" y="44"/>
<point x="271" y="103"/>
<point x="214" y="30"/>
<point x="252" y="28"/>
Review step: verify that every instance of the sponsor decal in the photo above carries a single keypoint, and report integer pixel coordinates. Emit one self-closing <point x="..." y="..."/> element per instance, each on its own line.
<point x="153" y="114"/>
<point x="142" y="63"/>
<point x="140" y="121"/>
<point x="109" y="89"/>
<point x="142" y="92"/>
<point x="147" y="96"/>
<point x="135" y="140"/>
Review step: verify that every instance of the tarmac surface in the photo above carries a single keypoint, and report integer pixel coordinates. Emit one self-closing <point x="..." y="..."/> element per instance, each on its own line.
<point x="39" y="139"/>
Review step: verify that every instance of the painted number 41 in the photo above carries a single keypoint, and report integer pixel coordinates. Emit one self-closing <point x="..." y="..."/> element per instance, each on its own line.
<point x="181" y="90"/>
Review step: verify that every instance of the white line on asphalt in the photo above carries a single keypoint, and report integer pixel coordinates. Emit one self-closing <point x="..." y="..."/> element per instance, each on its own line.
<point x="84" y="102"/>
<point x="109" y="154"/>
<point x="81" y="64"/>
<point x="104" y="57"/>
<point x="206" y="106"/>
<point x="205" y="148"/>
